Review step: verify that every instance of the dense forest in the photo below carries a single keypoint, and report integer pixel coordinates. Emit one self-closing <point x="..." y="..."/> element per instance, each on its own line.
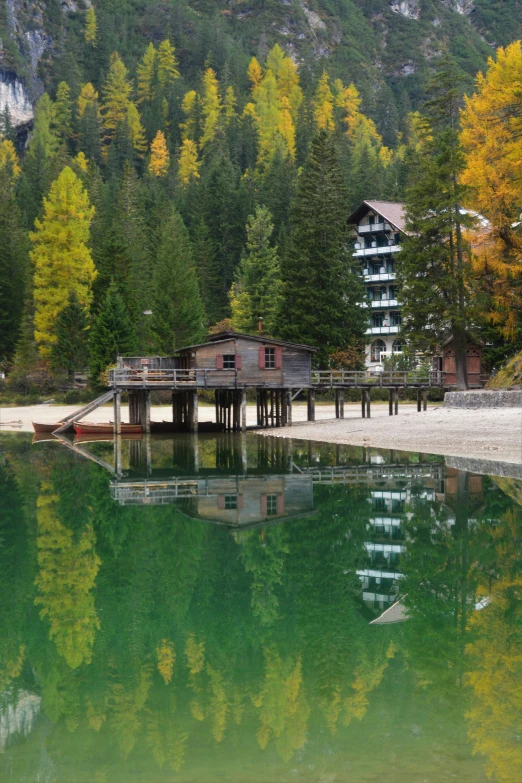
<point x="171" y="186"/>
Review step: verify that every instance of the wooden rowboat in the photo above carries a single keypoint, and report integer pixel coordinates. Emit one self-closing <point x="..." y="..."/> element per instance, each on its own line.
<point x="46" y="427"/>
<point x="86" y="428"/>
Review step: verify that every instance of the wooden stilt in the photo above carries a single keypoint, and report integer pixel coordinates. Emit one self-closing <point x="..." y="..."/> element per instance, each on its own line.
<point x="278" y="407"/>
<point x="117" y="413"/>
<point x="341" y="403"/>
<point x="272" y="411"/>
<point x="192" y="411"/>
<point x="289" y="407"/>
<point x="146" y="411"/>
<point x="363" y="403"/>
<point x="418" y="400"/>
<point x="311" y="404"/>
<point x="425" y="399"/>
<point x="390" y="402"/>
<point x="396" y="400"/>
<point x="243" y="410"/>
<point x="337" y="403"/>
<point x="368" y="404"/>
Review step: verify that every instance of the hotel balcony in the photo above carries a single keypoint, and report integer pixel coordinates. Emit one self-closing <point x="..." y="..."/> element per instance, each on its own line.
<point x="375" y="251"/>
<point x="370" y="228"/>
<point x="383" y="330"/>
<point x="384" y="304"/>
<point x="381" y="277"/>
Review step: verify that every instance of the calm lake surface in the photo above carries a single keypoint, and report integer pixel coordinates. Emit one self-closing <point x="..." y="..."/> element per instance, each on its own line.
<point x="205" y="614"/>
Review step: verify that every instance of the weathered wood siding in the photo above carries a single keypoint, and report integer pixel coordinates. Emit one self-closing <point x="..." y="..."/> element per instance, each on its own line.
<point x="294" y="371"/>
<point x="297" y="367"/>
<point x="294" y="496"/>
<point x="151" y="362"/>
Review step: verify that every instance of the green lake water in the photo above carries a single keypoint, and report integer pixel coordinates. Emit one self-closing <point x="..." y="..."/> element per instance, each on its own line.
<point x="205" y="614"/>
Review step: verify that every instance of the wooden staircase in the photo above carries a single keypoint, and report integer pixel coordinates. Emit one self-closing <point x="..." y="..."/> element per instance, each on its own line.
<point x="82" y="412"/>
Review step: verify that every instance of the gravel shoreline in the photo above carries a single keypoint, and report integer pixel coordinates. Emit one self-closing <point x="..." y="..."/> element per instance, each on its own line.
<point x="486" y="433"/>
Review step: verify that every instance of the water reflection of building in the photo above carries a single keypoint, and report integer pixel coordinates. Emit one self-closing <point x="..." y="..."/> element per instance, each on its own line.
<point x="235" y="501"/>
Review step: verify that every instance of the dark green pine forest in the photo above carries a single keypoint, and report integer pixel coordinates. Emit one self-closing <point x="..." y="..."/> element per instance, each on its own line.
<point x="184" y="143"/>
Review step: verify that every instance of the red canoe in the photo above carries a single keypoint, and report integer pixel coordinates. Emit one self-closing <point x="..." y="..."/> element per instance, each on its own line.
<point x="85" y="428"/>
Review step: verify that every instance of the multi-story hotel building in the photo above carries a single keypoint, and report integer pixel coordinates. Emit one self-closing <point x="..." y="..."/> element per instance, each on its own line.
<point x="378" y="227"/>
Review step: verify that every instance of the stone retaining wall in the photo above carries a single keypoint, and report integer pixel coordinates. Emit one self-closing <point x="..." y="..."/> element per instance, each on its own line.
<point x="483" y="399"/>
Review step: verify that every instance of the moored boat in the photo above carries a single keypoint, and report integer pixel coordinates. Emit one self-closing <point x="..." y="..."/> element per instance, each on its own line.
<point x="87" y="428"/>
<point x="46" y="427"/>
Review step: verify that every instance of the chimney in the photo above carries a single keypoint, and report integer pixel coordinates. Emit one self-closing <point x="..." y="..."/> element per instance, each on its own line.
<point x="260" y="325"/>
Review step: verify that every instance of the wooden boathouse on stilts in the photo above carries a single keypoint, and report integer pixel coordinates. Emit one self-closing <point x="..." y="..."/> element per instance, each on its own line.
<point x="229" y="364"/>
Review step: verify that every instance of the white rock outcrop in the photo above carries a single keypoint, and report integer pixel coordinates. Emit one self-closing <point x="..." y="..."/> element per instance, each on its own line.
<point x="14" y="95"/>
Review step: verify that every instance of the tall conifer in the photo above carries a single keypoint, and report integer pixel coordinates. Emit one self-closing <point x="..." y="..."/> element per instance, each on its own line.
<point x="321" y="293"/>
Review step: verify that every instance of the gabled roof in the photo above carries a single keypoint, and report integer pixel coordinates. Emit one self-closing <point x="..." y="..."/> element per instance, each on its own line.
<point x="391" y="211"/>
<point x="223" y="337"/>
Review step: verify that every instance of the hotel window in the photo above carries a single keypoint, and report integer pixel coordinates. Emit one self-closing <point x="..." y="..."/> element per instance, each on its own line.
<point x="377" y="348"/>
<point x="393" y="292"/>
<point x="397" y="346"/>
<point x="377" y="320"/>
<point x="395" y="319"/>
<point x="271" y="505"/>
<point x="270" y="363"/>
<point x="229" y="361"/>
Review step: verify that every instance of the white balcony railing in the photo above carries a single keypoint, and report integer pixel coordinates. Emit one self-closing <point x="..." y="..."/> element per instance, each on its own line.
<point x="384" y="303"/>
<point x="376" y="251"/>
<point x="383" y="330"/>
<point x="381" y="277"/>
<point x="367" y="228"/>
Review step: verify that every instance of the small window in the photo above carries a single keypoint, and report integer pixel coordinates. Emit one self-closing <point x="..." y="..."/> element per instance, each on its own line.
<point x="396" y="318"/>
<point x="378" y="320"/>
<point x="229" y="361"/>
<point x="230" y="502"/>
<point x="271" y="505"/>
<point x="270" y="363"/>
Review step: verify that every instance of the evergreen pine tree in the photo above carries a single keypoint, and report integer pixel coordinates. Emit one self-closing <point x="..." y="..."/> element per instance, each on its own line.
<point x="321" y="294"/>
<point x="256" y="291"/>
<point x="434" y="266"/>
<point x="70" y="351"/>
<point x="26" y="354"/>
<point x="178" y="315"/>
<point x="13" y="261"/>
<point x="112" y="334"/>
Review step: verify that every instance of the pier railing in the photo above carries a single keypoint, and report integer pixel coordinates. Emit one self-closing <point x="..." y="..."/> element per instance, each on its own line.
<point x="150" y="377"/>
<point x="357" y="378"/>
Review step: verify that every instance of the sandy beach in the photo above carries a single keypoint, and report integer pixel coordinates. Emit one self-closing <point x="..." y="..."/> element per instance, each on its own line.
<point x="489" y="433"/>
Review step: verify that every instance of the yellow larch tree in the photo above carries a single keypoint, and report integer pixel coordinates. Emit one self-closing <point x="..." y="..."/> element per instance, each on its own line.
<point x="166" y="659"/>
<point x="167" y="64"/>
<point x="68" y="566"/>
<point x="188" y="161"/>
<point x="88" y="97"/>
<point x="91" y="26"/>
<point x="492" y="137"/>
<point x="8" y="157"/>
<point x="288" y="86"/>
<point x="255" y="73"/>
<point x="189" y="106"/>
<point x="159" y="155"/>
<point x="116" y="94"/>
<point x="145" y="71"/>
<point x="230" y="104"/>
<point x="137" y="132"/>
<point x="61" y="257"/>
<point x="323" y="104"/>
<point x="286" y="126"/>
<point x="211" y="107"/>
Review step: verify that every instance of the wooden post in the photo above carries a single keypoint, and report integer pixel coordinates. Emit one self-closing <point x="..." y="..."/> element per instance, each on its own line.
<point x="418" y="400"/>
<point x="278" y="407"/>
<point x="289" y="407"/>
<point x="425" y="399"/>
<point x="341" y="403"/>
<point x="363" y="403"/>
<point x="146" y="410"/>
<point x="337" y="403"/>
<point x="311" y="404"/>
<point x="192" y="411"/>
<point x="216" y="405"/>
<point x="265" y="405"/>
<point x="396" y="400"/>
<point x="390" y="402"/>
<point x="117" y="412"/>
<point x="117" y="455"/>
<point x="243" y="410"/>
<point x="368" y="404"/>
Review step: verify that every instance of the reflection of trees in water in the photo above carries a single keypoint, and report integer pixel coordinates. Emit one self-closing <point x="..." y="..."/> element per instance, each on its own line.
<point x="494" y="658"/>
<point x="211" y="638"/>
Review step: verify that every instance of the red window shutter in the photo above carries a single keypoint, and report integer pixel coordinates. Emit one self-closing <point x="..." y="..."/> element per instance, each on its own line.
<point x="239" y="361"/>
<point x="262" y="358"/>
<point x="263" y="506"/>
<point x="240" y="501"/>
<point x="221" y="501"/>
<point x="278" y="358"/>
<point x="280" y="504"/>
<point x="219" y="362"/>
